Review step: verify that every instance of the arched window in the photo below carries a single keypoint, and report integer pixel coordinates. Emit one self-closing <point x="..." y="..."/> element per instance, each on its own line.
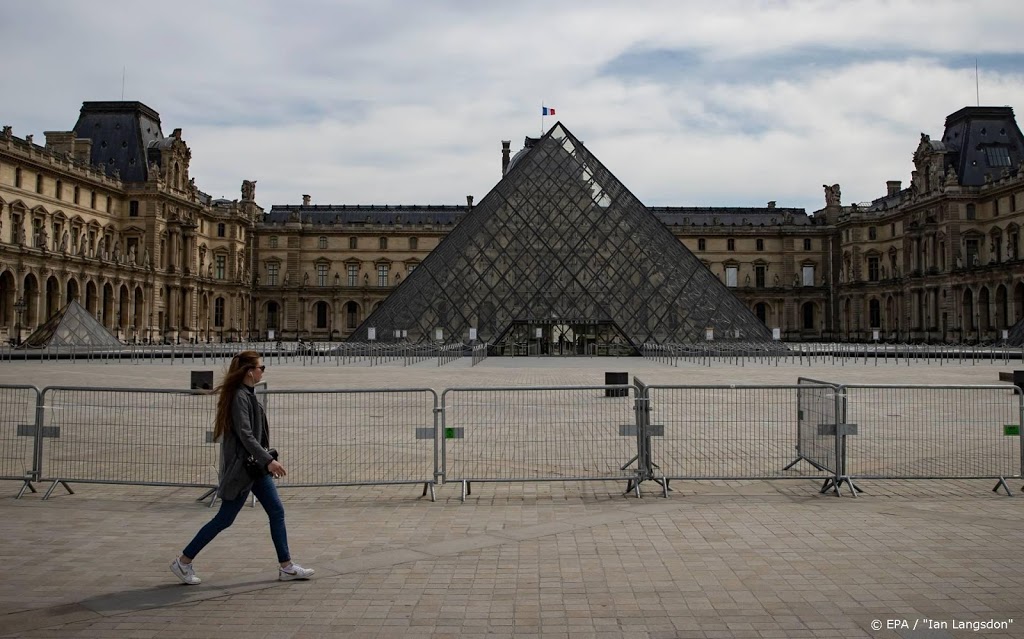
<point x="808" y="314"/>
<point x="272" y="315"/>
<point x="218" y="312"/>
<point x="875" y="314"/>
<point x="761" y="310"/>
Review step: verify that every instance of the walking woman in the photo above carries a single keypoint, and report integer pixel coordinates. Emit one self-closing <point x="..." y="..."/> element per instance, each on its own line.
<point x="242" y="429"/>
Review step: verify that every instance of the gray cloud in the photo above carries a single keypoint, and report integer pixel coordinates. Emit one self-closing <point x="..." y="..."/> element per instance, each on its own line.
<point x="734" y="103"/>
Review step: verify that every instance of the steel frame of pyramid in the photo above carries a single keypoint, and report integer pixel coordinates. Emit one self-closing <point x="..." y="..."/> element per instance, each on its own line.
<point x="560" y="242"/>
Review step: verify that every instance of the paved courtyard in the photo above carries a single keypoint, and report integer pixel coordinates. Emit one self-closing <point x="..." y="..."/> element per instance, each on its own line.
<point x="543" y="559"/>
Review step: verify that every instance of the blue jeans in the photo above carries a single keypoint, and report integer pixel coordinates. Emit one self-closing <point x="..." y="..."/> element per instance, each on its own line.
<point x="265" y="491"/>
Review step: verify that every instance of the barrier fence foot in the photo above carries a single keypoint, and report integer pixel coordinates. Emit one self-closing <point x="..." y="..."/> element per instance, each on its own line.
<point x="26" y="484"/>
<point x="1005" y="486"/>
<point x="465" y="489"/>
<point x="829" y="484"/>
<point x="206" y="494"/>
<point x="428" y="485"/>
<point x="54" y="485"/>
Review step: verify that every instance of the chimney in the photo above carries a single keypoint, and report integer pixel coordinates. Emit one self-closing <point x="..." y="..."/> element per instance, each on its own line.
<point x="60" y="141"/>
<point x="83" y="150"/>
<point x="305" y="200"/>
<point x="892" y="187"/>
<point x="469" y="201"/>
<point x="771" y="204"/>
<point x="506" y="152"/>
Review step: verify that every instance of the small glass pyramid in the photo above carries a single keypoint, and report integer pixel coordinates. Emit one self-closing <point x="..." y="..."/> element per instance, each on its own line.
<point x="72" y="326"/>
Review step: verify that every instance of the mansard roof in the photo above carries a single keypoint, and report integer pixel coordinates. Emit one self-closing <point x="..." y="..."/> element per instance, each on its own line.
<point x="366" y="214"/>
<point x="982" y="141"/>
<point x="120" y="133"/>
<point x="730" y="216"/>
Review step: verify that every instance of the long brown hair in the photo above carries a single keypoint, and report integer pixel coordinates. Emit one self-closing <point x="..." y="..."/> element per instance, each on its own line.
<point x="240" y="366"/>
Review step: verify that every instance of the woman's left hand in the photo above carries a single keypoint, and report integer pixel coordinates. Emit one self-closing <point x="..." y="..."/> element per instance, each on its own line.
<point x="276" y="469"/>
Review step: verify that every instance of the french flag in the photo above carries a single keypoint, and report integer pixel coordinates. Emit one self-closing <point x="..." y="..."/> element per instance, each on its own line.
<point x="547" y="110"/>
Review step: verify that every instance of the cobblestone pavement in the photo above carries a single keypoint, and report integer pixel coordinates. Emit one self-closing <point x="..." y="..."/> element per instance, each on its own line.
<point x="545" y="559"/>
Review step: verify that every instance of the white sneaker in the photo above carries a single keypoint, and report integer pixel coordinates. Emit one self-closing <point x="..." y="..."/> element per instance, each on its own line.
<point x="185" y="573"/>
<point x="294" y="571"/>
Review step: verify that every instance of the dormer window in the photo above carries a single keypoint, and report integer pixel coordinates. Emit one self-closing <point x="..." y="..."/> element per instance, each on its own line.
<point x="997" y="156"/>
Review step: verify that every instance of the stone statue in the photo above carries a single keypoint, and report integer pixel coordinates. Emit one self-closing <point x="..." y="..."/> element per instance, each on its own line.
<point x="796" y="281"/>
<point x="8" y="132"/>
<point x="959" y="262"/>
<point x="366" y="279"/>
<point x="209" y="270"/>
<point x="131" y="255"/>
<point x="776" y="280"/>
<point x="883" y="271"/>
<point x="951" y="176"/>
<point x="117" y="252"/>
<point x="746" y="281"/>
<point x="305" y="279"/>
<point x="145" y="257"/>
<point x="64" y="239"/>
<point x="832" y="195"/>
<point x="1011" y="250"/>
<point x="975" y="261"/>
<point x="43" y="239"/>
<point x="248" y="190"/>
<point x="100" y="248"/>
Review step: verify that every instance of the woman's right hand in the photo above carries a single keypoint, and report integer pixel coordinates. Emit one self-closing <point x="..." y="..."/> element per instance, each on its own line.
<point x="276" y="469"/>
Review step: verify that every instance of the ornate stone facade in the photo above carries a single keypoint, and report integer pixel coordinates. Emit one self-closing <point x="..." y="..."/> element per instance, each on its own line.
<point x="125" y="232"/>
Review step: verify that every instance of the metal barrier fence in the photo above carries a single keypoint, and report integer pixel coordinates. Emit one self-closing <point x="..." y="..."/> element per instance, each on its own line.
<point x="152" y="437"/>
<point x="813" y="430"/>
<point x="549" y="433"/>
<point x="19" y="407"/>
<point x="355" y="437"/>
<point x="835" y="354"/>
<point x="737" y="432"/>
<point x="934" y="432"/>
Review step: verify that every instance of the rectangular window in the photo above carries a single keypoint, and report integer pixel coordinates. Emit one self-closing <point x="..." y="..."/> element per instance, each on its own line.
<point x="353" y="243"/>
<point x="382" y="274"/>
<point x="39" y="184"/>
<point x="702" y="244"/>
<point x="414" y="243"/>
<point x="272" y="268"/>
<point x="133" y="208"/>
<point x="218" y="312"/>
<point x="872" y="233"/>
<point x="973" y="257"/>
<point x="321" y="275"/>
<point x="731" y="244"/>
<point x="892" y="229"/>
<point x="221" y="230"/>
<point x="730" y="275"/>
<point x="219" y="268"/>
<point x="759" y="275"/>
<point x="78" y="194"/>
<point x="110" y="203"/>
<point x="321" y="242"/>
<point x="998" y="156"/>
<point x="17" y="177"/>
<point x="808" y="272"/>
<point x="409" y="268"/>
<point x="353" y="274"/>
<point x="759" y="244"/>
<point x="273" y="241"/>
<point x="383" y="243"/>
<point x="971" y="214"/>
<point x="872" y="269"/>
<point x="58" y="190"/>
<point x="807" y="243"/>
<point x="92" y="199"/>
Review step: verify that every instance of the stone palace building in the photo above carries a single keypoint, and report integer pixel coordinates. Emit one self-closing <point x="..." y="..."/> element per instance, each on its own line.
<point x="107" y="214"/>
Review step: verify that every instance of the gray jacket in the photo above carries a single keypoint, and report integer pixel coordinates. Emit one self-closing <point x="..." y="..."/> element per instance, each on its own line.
<point x="249" y="435"/>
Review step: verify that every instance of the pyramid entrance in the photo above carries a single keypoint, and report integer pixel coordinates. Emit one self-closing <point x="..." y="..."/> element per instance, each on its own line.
<point x="561" y="249"/>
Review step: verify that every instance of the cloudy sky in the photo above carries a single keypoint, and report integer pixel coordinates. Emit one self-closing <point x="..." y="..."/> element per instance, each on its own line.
<point x="725" y="103"/>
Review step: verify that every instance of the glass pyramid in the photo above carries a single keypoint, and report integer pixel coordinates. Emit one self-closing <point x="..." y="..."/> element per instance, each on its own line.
<point x="559" y="254"/>
<point x="72" y="326"/>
